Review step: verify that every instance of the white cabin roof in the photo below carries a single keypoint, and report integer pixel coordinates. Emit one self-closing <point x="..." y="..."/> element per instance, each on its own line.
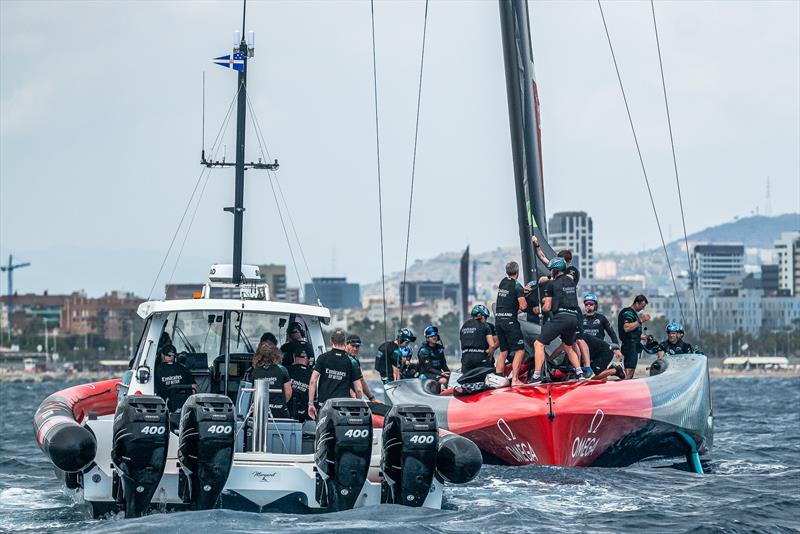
<point x="146" y="309"/>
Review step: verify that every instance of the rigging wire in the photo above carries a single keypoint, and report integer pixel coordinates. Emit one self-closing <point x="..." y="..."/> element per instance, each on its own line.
<point x="274" y="194"/>
<point x="274" y="176"/>
<point x="191" y="197"/>
<point x="675" y="166"/>
<point x="414" y="159"/>
<point x="641" y="161"/>
<point x="378" y="153"/>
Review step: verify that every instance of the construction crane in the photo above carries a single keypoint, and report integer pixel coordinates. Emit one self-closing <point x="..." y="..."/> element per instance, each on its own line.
<point x="10" y="301"/>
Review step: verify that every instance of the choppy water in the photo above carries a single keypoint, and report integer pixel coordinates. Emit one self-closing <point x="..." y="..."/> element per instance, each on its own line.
<point x="754" y="484"/>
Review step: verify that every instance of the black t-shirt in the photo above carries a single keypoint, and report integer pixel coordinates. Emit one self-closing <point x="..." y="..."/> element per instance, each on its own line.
<point x="576" y="274"/>
<point x="409" y="371"/>
<point x="387" y="348"/>
<point x="301" y="376"/>
<point x="336" y="375"/>
<point x="432" y="359"/>
<point x="678" y="348"/>
<point x="290" y="348"/>
<point x="628" y="315"/>
<point x="564" y="294"/>
<point x="171" y="374"/>
<point x="597" y="325"/>
<point x="533" y="298"/>
<point x="473" y="336"/>
<point x="276" y="376"/>
<point x="508" y="292"/>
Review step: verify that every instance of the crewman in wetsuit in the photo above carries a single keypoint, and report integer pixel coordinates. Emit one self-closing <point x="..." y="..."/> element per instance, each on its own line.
<point x="333" y="375"/>
<point x="432" y="362"/>
<point x="565" y="254"/>
<point x="674" y="343"/>
<point x="300" y="373"/>
<point x="593" y="324"/>
<point x="353" y="347"/>
<point x="387" y="361"/>
<point x="296" y="340"/>
<point x="476" y="340"/>
<point x="407" y="368"/>
<point x="170" y="374"/>
<point x="629" y="326"/>
<point x="600" y="355"/>
<point x="267" y="365"/>
<point x="510" y="301"/>
<point x="562" y="301"/>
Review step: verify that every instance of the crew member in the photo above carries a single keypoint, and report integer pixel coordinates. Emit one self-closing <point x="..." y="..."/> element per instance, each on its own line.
<point x="600" y="355"/>
<point x="269" y="336"/>
<point x="476" y="340"/>
<point x="562" y="300"/>
<point x="333" y="375"/>
<point x="300" y="373"/>
<point x="674" y="344"/>
<point x="510" y="301"/>
<point x="593" y="324"/>
<point x="432" y="361"/>
<point x="296" y="340"/>
<point x="171" y="379"/>
<point x="629" y="326"/>
<point x="267" y="365"/>
<point x="387" y="361"/>
<point x="407" y="368"/>
<point x="532" y="324"/>
<point x="353" y="346"/>
<point x="565" y="254"/>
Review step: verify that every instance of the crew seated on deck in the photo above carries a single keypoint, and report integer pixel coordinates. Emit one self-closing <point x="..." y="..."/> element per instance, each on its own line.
<point x="674" y="343"/>
<point x="432" y="361"/>
<point x="407" y="369"/>
<point x="173" y="382"/>
<point x="267" y="365"/>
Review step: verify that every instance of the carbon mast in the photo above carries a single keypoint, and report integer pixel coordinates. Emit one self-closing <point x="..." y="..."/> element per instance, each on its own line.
<point x="242" y="52"/>
<point x="523" y="115"/>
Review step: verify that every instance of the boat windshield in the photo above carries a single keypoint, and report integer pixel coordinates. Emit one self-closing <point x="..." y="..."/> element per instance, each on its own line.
<point x="247" y="327"/>
<point x="197" y="332"/>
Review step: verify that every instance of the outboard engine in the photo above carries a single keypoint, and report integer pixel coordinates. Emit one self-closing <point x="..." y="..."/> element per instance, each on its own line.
<point x="205" y="448"/>
<point x="139" y="450"/>
<point x="458" y="460"/>
<point x="343" y="447"/>
<point x="408" y="458"/>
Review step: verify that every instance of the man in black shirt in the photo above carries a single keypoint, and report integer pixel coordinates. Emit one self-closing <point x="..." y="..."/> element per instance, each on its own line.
<point x="476" y="340"/>
<point x="510" y="301"/>
<point x="674" y="344"/>
<point x="333" y="375"/>
<point x="171" y="379"/>
<point x="595" y="325"/>
<point x="562" y="301"/>
<point x="296" y="341"/>
<point x="387" y="361"/>
<point x="629" y="326"/>
<point x="300" y="373"/>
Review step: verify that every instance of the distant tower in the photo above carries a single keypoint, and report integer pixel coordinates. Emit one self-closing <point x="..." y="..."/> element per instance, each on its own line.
<point x="768" y="202"/>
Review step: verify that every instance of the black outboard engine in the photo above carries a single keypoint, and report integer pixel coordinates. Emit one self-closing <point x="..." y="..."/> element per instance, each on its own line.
<point x="408" y="458"/>
<point x="205" y="448"/>
<point x="458" y="460"/>
<point x="139" y="450"/>
<point x="343" y="447"/>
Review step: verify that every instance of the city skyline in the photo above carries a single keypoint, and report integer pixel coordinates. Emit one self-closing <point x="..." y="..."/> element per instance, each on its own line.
<point x="115" y="140"/>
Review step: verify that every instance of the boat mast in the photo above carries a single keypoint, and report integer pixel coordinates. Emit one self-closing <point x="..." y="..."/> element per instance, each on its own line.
<point x="523" y="114"/>
<point x="242" y="51"/>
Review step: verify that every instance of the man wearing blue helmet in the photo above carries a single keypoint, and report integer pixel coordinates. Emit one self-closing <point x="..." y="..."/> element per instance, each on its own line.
<point x="387" y="361"/>
<point x="561" y="299"/>
<point x="593" y="325"/>
<point x="476" y="340"/>
<point x="674" y="343"/>
<point x="432" y="362"/>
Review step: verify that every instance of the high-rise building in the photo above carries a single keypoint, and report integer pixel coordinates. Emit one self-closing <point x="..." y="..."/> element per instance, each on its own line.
<point x="574" y="230"/>
<point x="787" y="249"/>
<point x="334" y="293"/>
<point x="275" y="277"/>
<point x="712" y="263"/>
<point x="428" y="291"/>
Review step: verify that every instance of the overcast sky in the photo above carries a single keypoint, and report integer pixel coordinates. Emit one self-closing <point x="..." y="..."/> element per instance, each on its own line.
<point x="101" y="129"/>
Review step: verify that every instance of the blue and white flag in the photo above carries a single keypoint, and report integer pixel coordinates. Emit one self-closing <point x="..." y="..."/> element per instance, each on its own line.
<point x="236" y="62"/>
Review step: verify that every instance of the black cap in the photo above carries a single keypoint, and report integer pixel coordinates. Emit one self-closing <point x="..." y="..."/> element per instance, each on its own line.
<point x="353" y="339"/>
<point x="269" y="336"/>
<point x="169" y="350"/>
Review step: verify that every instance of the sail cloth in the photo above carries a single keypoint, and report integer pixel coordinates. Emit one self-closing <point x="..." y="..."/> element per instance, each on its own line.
<point x="235" y="62"/>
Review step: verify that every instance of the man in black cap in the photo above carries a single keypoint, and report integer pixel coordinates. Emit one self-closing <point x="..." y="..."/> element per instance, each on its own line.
<point x="169" y="376"/>
<point x="353" y="345"/>
<point x="296" y="341"/>
<point x="300" y="373"/>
